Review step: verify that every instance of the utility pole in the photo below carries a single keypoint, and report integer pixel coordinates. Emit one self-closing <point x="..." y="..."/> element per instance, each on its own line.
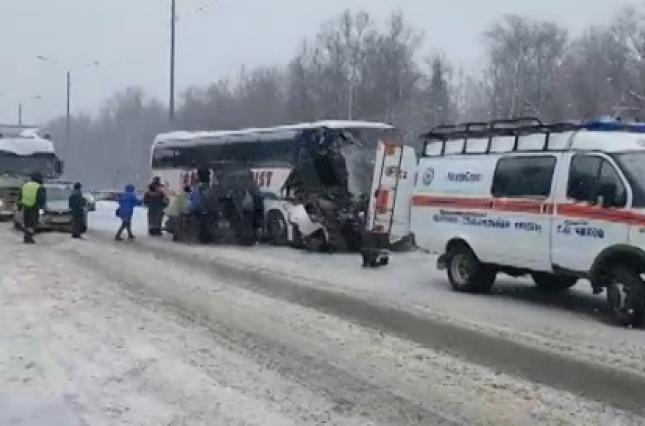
<point x="68" y="118"/>
<point x="20" y="114"/>
<point x="173" y="16"/>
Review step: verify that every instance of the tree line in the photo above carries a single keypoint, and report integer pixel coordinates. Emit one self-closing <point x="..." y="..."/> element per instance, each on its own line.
<point x="356" y="68"/>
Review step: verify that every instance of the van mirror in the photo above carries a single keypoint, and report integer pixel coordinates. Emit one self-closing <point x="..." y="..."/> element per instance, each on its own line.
<point x="60" y="166"/>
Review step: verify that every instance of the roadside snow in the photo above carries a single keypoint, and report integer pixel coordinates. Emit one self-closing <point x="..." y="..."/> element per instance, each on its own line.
<point x="574" y="323"/>
<point x="101" y="335"/>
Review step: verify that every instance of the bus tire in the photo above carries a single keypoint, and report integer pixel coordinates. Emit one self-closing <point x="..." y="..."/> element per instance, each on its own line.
<point x="552" y="283"/>
<point x="277" y="228"/>
<point x="466" y="273"/>
<point x="626" y="296"/>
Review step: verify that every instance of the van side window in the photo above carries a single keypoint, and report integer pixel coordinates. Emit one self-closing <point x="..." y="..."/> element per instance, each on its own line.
<point x="524" y="177"/>
<point x="583" y="177"/>
<point x="609" y="178"/>
<point x="590" y="177"/>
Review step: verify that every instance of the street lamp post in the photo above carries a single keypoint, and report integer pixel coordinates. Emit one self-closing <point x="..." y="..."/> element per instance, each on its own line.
<point x="68" y="114"/>
<point x="173" y="21"/>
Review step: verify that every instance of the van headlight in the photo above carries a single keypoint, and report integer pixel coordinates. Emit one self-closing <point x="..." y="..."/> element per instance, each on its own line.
<point x="41" y="211"/>
<point x="1" y="203"/>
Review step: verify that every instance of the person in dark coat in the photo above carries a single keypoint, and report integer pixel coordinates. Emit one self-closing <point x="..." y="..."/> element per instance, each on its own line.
<point x="198" y="203"/>
<point x="156" y="201"/>
<point x="77" y="204"/>
<point x="127" y="202"/>
<point x="33" y="198"/>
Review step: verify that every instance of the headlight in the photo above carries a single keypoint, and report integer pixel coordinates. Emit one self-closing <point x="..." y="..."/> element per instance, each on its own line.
<point x="41" y="211"/>
<point x="1" y="203"/>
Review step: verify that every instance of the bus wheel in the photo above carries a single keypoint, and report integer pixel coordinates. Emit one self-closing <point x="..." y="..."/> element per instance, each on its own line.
<point x="552" y="283"/>
<point x="315" y="242"/>
<point x="626" y="297"/>
<point x="466" y="274"/>
<point x="277" y="229"/>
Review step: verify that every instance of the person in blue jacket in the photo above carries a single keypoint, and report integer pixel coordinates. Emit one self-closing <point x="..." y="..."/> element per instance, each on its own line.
<point x="127" y="202"/>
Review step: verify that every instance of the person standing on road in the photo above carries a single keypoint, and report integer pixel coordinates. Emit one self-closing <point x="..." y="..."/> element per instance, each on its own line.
<point x="127" y="202"/>
<point x="33" y="198"/>
<point x="156" y="201"/>
<point x="77" y="204"/>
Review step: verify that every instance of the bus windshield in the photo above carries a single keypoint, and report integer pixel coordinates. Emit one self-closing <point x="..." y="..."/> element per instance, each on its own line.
<point x="13" y="164"/>
<point x="359" y="152"/>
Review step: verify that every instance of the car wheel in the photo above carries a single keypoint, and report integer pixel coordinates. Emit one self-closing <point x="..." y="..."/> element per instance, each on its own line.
<point x="553" y="283"/>
<point x="277" y="229"/>
<point x="466" y="274"/>
<point x="626" y="297"/>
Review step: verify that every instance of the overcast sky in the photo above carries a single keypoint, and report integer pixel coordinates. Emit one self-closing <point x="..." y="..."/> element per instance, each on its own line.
<point x="129" y="38"/>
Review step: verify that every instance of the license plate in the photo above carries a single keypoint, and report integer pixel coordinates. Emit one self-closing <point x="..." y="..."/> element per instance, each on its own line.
<point x="59" y="220"/>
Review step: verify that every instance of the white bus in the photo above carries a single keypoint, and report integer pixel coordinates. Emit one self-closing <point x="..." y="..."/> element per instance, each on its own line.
<point x="296" y="167"/>
<point x="23" y="151"/>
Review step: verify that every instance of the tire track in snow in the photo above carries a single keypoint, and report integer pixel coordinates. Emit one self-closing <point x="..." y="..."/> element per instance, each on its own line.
<point x="587" y="379"/>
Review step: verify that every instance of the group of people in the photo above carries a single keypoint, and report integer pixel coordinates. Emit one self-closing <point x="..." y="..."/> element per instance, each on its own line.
<point x="155" y="199"/>
<point x="33" y="199"/>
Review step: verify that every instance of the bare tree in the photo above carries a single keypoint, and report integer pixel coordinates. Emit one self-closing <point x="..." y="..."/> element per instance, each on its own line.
<point x="525" y="57"/>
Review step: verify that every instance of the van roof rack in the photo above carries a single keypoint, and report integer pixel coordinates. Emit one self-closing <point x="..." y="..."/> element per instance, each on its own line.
<point x="516" y="127"/>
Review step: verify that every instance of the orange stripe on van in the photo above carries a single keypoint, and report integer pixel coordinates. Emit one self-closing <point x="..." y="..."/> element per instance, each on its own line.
<point x="569" y="210"/>
<point x="520" y="206"/>
<point x="455" y="202"/>
<point x="579" y="211"/>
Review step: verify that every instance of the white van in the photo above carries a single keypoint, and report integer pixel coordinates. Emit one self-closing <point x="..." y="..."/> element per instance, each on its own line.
<point x="559" y="202"/>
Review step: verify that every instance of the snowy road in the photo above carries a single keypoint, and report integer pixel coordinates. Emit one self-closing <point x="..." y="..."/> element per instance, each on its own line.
<point x="148" y="333"/>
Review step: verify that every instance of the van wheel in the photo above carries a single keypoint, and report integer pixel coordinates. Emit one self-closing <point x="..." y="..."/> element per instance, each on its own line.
<point x="553" y="283"/>
<point x="466" y="274"/>
<point x="626" y="297"/>
<point x="277" y="229"/>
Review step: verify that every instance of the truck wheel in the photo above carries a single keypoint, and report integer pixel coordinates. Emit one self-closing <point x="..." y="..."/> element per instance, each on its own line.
<point x="626" y="297"/>
<point x="466" y="274"/>
<point x="553" y="283"/>
<point x="277" y="229"/>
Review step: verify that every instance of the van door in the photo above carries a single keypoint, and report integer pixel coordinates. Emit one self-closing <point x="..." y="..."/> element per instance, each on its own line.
<point x="585" y="223"/>
<point x="522" y="190"/>
<point x="392" y="186"/>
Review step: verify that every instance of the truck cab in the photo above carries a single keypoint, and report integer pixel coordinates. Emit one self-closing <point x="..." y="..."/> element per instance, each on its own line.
<point x="558" y="202"/>
<point x="23" y="151"/>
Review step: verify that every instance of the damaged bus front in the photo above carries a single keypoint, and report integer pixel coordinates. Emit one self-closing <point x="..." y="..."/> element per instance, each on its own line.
<point x="314" y="179"/>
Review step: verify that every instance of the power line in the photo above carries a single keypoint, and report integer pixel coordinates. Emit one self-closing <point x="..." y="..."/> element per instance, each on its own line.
<point x="197" y="10"/>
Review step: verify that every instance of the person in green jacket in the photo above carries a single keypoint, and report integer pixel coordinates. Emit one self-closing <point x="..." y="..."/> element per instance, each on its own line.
<point x="33" y="198"/>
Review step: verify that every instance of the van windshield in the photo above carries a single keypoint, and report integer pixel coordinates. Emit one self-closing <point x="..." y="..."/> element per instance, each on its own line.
<point x="633" y="165"/>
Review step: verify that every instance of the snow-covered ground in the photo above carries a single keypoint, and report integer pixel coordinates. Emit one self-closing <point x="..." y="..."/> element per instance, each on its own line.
<point x="574" y="322"/>
<point x="147" y="333"/>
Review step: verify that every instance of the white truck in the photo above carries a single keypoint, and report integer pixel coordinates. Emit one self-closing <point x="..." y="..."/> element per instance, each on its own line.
<point x="23" y="151"/>
<point x="558" y="202"/>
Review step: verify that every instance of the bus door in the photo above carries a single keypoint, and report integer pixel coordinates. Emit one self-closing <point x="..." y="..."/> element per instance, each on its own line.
<point x="392" y="187"/>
